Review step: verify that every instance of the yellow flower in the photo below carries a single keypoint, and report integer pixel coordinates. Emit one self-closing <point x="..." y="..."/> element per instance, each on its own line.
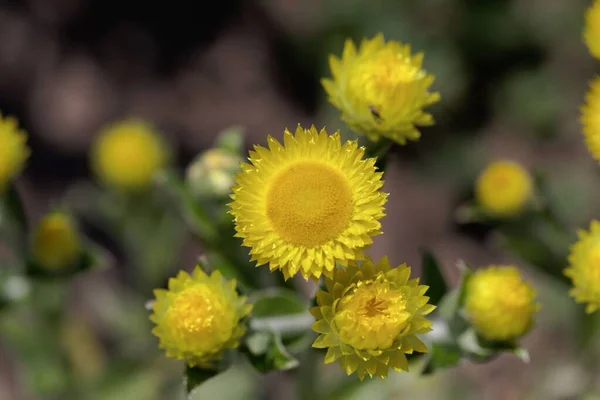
<point x="381" y="89"/>
<point x="128" y="154"/>
<point x="199" y="317"/>
<point x="56" y="242"/>
<point x="368" y="317"/>
<point x="590" y="119"/>
<point x="584" y="268"/>
<point x="308" y="203"/>
<point x="503" y="188"/>
<point x="213" y="172"/>
<point x="591" y="33"/>
<point x="499" y="304"/>
<point x="13" y="150"/>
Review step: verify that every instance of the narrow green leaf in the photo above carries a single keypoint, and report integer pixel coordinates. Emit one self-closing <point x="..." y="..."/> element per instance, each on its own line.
<point x="276" y="302"/>
<point x="450" y="305"/>
<point x="13" y="221"/>
<point x="442" y="355"/>
<point x="196" y="376"/>
<point x="266" y="352"/>
<point x="432" y="277"/>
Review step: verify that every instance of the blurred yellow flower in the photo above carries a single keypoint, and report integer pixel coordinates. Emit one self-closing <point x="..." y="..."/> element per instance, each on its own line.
<point x="13" y="150"/>
<point x="56" y="242"/>
<point x="128" y="154"/>
<point x="503" y="188"/>
<point x="213" y="172"/>
<point x="369" y="316"/>
<point x="199" y="317"/>
<point x="591" y="32"/>
<point x="381" y="89"/>
<point x="584" y="268"/>
<point x="590" y="119"/>
<point x="307" y="204"/>
<point x="499" y="304"/>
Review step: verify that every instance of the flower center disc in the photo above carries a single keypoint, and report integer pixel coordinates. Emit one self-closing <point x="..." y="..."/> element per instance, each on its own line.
<point x="309" y="203"/>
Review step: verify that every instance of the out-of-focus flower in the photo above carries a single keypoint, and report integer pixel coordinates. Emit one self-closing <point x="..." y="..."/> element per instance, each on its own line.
<point x="503" y="188"/>
<point x="591" y="33"/>
<point x="590" y="118"/>
<point x="128" y="154"/>
<point x="307" y="204"/>
<point x="213" y="172"/>
<point x="369" y="316"/>
<point x="584" y="268"/>
<point x="13" y="150"/>
<point x="499" y="304"/>
<point x="381" y="89"/>
<point x="56" y="242"/>
<point x="199" y="317"/>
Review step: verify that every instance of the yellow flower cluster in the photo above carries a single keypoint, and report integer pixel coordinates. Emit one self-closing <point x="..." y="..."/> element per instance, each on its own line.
<point x="13" y="150"/>
<point x="503" y="188"/>
<point x="56" y="243"/>
<point x="584" y="268"/>
<point x="591" y="33"/>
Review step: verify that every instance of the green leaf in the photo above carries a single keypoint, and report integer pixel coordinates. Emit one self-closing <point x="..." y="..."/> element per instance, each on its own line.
<point x="196" y="376"/>
<point x="452" y="302"/>
<point x="231" y="139"/>
<point x="91" y="256"/>
<point x="443" y="355"/>
<point x="276" y="302"/>
<point x="266" y="352"/>
<point x="432" y="277"/>
<point x="13" y="221"/>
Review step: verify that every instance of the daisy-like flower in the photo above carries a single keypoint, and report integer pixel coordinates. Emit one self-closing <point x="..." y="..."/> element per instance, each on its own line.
<point x="128" y="154"/>
<point x="369" y="316"/>
<point x="503" y="188"/>
<point x="381" y="89"/>
<point x="56" y="243"/>
<point x="584" y="268"/>
<point x="591" y="32"/>
<point x="308" y="203"/>
<point x="199" y="317"/>
<point x="499" y="304"/>
<point x="590" y="119"/>
<point x="13" y="150"/>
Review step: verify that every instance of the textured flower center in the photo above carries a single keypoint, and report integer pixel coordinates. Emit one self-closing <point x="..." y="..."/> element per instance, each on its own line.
<point x="371" y="315"/>
<point x="309" y="203"/>
<point x="200" y="319"/>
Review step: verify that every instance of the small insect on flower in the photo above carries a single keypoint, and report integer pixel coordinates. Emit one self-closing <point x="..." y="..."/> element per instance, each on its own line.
<point x="381" y="89"/>
<point x="13" y="150"/>
<point x="199" y="317"/>
<point x="591" y="33"/>
<point x="590" y="120"/>
<point x="56" y="242"/>
<point x="128" y="154"/>
<point x="499" y="304"/>
<point x="504" y="188"/>
<point x="584" y="268"/>
<point x="369" y="316"/>
<point x="307" y="204"/>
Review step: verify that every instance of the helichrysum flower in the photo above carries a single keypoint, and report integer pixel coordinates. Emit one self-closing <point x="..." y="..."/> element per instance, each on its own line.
<point x="504" y="188"/>
<point x="584" y="268"/>
<point x="128" y="154"/>
<point x="591" y="33"/>
<point x="213" y="172"/>
<point x="13" y="150"/>
<point x="308" y="203"/>
<point x="199" y="317"/>
<point x="56" y="242"/>
<point x="369" y="316"/>
<point x="381" y="89"/>
<point x="499" y="304"/>
<point x="590" y="119"/>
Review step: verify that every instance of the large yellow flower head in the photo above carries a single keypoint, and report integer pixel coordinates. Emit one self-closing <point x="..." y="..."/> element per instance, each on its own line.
<point x="499" y="304"/>
<point x="308" y="203"/>
<point x="584" y="267"/>
<point x="381" y="89"/>
<point x="199" y="317"/>
<point x="503" y="188"/>
<point x="368" y="317"/>
<point x="128" y="154"/>
<point x="590" y="119"/>
<point x="13" y="150"/>
<point x="56" y="243"/>
<point x="591" y="33"/>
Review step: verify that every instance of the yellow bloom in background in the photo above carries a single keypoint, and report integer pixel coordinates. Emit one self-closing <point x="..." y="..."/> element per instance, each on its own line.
<point x="307" y="204"/>
<point x="584" y="268"/>
<point x="590" y="119"/>
<point x="591" y="33"/>
<point x="128" y="154"/>
<point x="381" y="89"/>
<point x="369" y="316"/>
<point x="499" y="304"/>
<point x="13" y="150"/>
<point x="199" y="317"/>
<point x="56" y="242"/>
<point x="504" y="188"/>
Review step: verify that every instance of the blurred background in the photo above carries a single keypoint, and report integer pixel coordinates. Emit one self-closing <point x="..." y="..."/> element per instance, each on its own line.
<point x="512" y="75"/>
